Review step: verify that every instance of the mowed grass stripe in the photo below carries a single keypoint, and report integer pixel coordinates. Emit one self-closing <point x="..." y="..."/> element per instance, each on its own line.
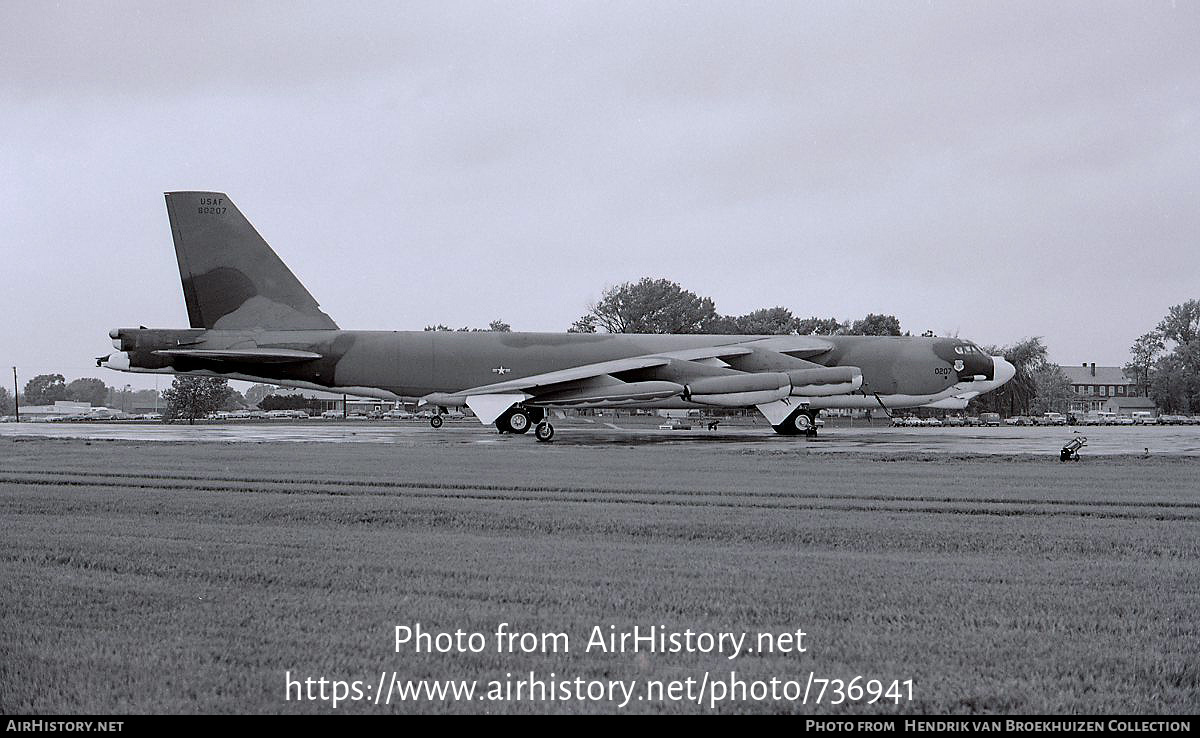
<point x="308" y="485"/>
<point x="826" y="528"/>
<point x="731" y="500"/>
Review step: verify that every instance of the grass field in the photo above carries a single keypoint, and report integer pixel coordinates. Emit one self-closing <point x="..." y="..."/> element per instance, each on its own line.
<point x="161" y="577"/>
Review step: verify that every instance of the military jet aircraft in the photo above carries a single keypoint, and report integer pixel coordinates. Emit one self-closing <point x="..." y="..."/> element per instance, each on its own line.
<point x="251" y="319"/>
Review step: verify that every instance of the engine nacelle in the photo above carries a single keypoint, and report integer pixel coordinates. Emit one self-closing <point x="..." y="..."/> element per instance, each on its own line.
<point x="825" y="381"/>
<point x="630" y="393"/>
<point x="740" y="390"/>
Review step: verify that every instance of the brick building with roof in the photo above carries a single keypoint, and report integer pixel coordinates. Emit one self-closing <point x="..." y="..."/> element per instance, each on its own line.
<point x="1105" y="388"/>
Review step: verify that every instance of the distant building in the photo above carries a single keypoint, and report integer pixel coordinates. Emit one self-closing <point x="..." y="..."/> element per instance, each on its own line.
<point x="1106" y="388"/>
<point x="63" y="409"/>
<point x="60" y="409"/>
<point x="334" y="401"/>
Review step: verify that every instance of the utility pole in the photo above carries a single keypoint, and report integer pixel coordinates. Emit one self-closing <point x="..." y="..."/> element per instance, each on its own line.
<point x="16" y="399"/>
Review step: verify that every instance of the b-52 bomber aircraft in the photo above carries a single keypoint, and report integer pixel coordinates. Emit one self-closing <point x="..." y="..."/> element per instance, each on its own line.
<point x="252" y="320"/>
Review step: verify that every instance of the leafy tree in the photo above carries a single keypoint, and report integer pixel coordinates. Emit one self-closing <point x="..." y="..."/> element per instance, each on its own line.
<point x="1175" y="378"/>
<point x="1144" y="352"/>
<point x="766" y="321"/>
<point x="496" y="326"/>
<point x="876" y="325"/>
<point x="1015" y="397"/>
<point x="723" y="325"/>
<point x="1052" y="390"/>
<point x="1182" y="324"/>
<point x="45" y="389"/>
<point x="6" y="402"/>
<point x="235" y="401"/>
<point x="194" y="397"/>
<point x="820" y="327"/>
<point x="88" y="389"/>
<point x="652" y="306"/>
<point x="1171" y="386"/>
<point x="586" y="324"/>
<point x="254" y="395"/>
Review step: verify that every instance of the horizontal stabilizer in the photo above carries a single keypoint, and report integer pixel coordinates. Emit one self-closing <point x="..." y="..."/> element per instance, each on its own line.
<point x="250" y="356"/>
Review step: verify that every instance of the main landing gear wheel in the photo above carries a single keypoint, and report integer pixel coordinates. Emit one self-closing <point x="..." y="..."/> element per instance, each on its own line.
<point x="801" y="422"/>
<point x="516" y="420"/>
<point x="544" y="431"/>
<point x="436" y="421"/>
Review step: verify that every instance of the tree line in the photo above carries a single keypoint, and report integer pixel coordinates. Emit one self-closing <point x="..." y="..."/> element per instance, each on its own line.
<point x="1166" y="360"/>
<point x="662" y="306"/>
<point x="47" y="389"/>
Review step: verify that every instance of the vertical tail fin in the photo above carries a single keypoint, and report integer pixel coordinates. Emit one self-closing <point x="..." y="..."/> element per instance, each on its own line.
<point x="231" y="277"/>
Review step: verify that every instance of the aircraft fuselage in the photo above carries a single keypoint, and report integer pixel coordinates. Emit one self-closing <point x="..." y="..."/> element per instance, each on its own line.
<point x="414" y="364"/>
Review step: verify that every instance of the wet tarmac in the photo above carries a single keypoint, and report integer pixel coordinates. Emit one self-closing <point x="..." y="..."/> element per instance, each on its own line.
<point x="1117" y="440"/>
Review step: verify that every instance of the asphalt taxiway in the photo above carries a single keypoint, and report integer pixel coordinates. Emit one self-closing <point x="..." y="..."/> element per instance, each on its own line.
<point x="1118" y="440"/>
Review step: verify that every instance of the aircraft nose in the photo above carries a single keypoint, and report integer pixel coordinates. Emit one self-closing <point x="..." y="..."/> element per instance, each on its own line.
<point x="1002" y="370"/>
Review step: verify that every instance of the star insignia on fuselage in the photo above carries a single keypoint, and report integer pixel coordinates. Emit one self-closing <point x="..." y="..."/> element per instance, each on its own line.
<point x="501" y="370"/>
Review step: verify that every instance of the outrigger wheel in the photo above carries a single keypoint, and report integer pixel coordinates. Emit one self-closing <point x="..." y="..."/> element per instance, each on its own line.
<point x="800" y="422"/>
<point x="544" y="431"/>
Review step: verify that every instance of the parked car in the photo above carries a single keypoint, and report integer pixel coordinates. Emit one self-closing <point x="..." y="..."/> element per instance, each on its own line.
<point x="330" y="415"/>
<point x="675" y="424"/>
<point x="898" y="420"/>
<point x="955" y="420"/>
<point x="972" y="420"/>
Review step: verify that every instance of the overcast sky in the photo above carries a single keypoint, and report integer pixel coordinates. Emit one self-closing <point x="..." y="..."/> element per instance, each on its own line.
<point x="994" y="170"/>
